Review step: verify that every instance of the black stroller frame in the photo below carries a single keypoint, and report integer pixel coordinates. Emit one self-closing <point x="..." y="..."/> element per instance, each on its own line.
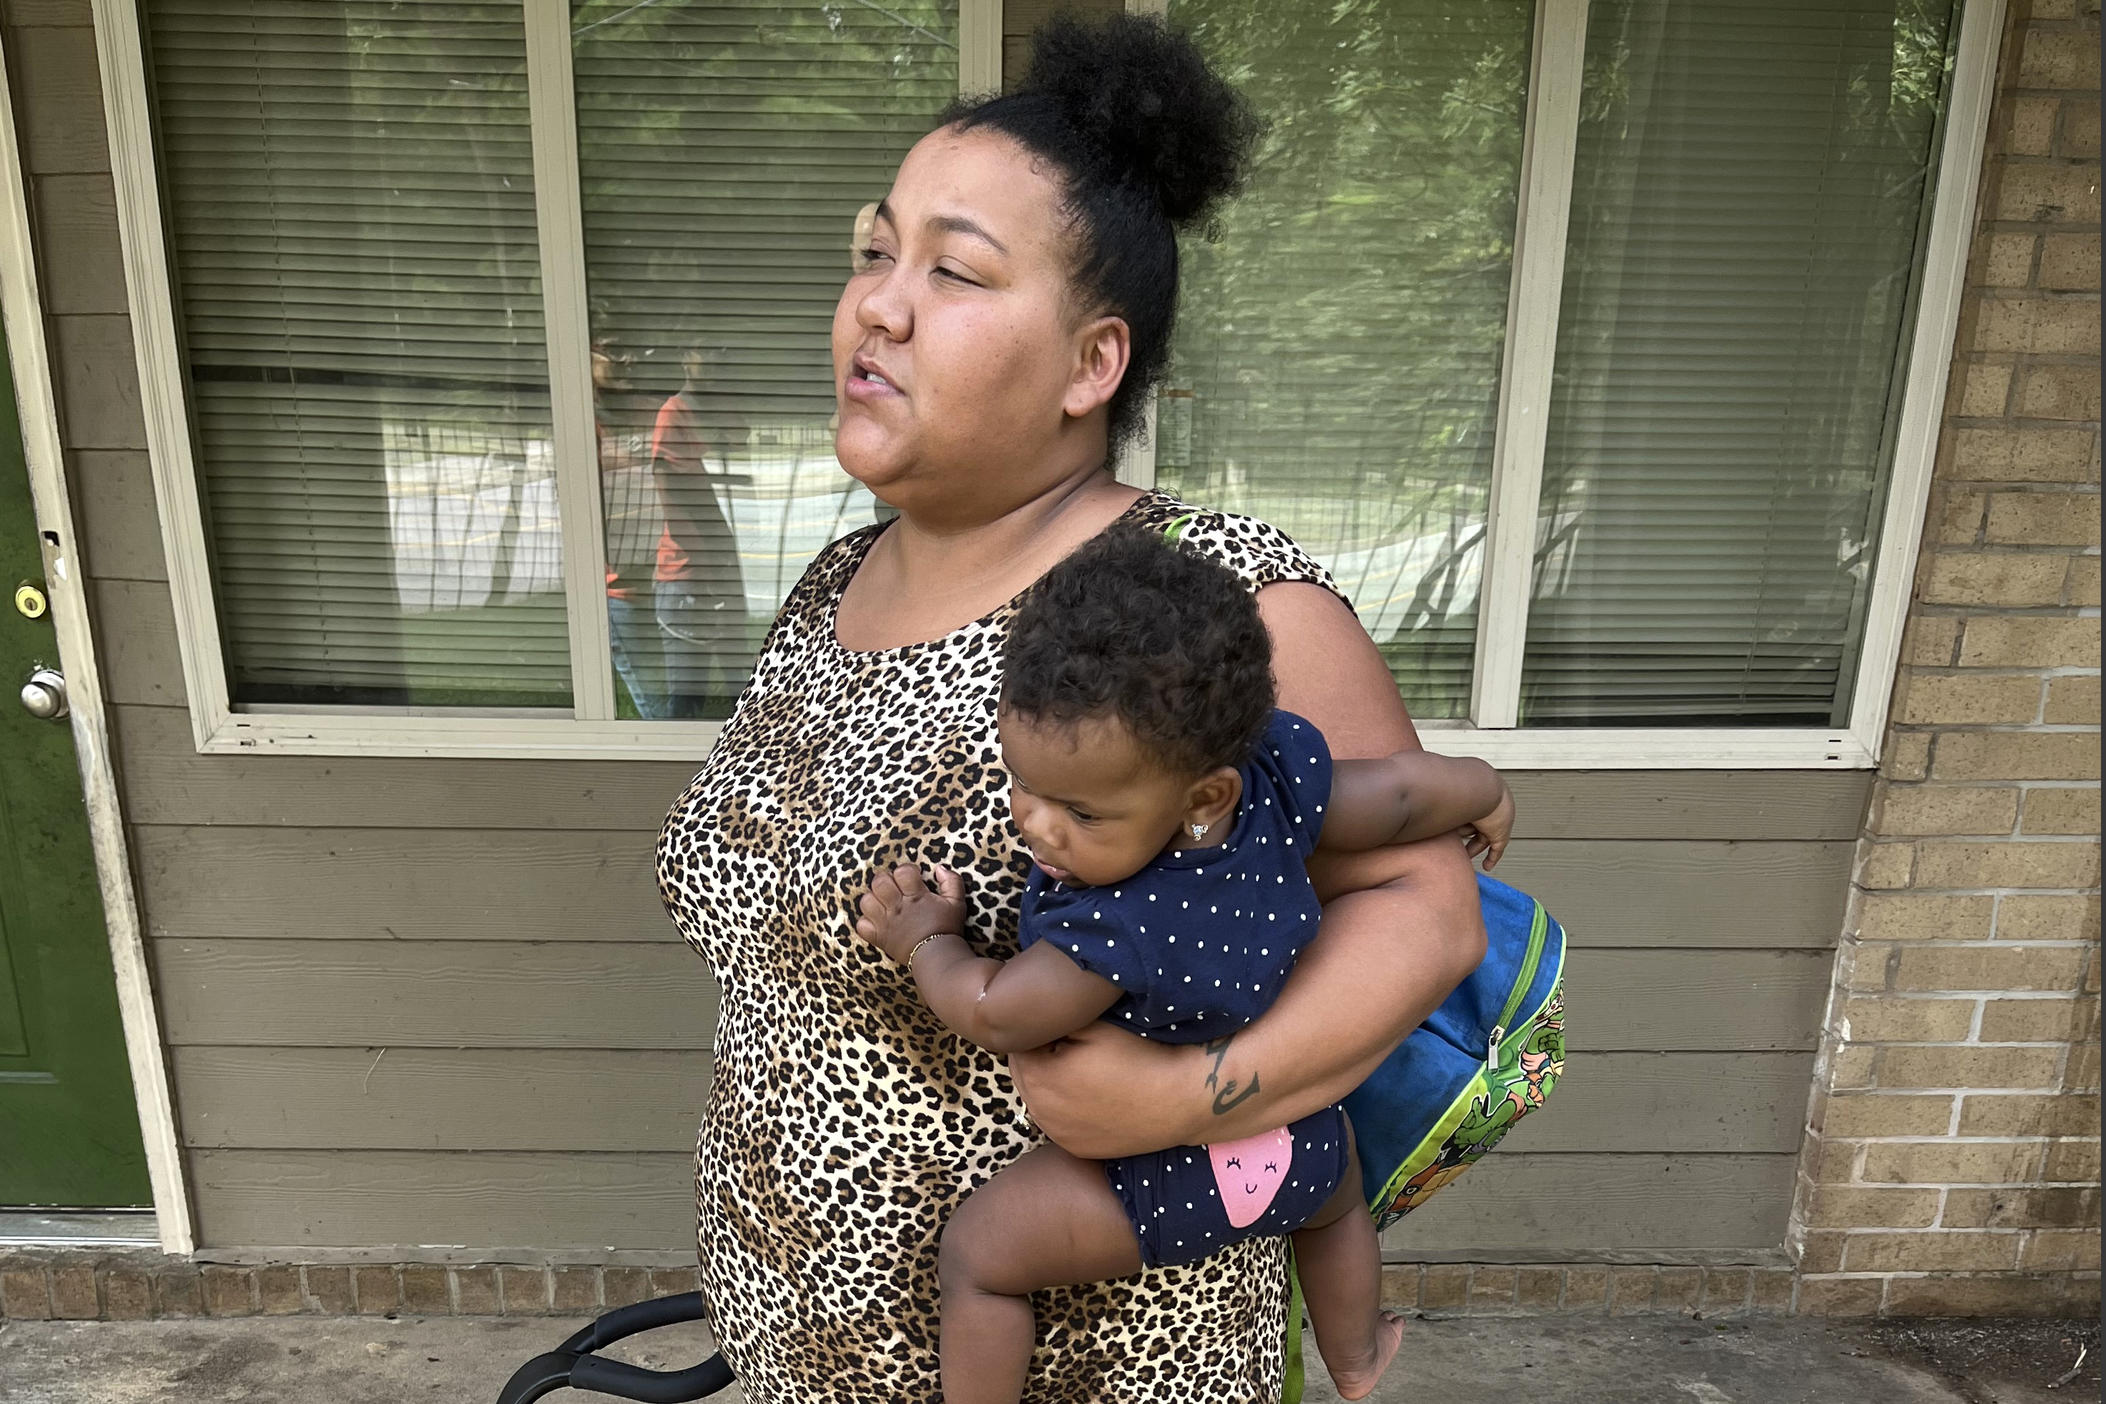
<point x="574" y="1365"/>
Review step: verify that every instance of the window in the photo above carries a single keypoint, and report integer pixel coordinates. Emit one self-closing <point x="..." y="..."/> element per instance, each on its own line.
<point x="1339" y="342"/>
<point x="1595" y="347"/>
<point x="1747" y="212"/>
<point x="723" y="153"/>
<point x="351" y="225"/>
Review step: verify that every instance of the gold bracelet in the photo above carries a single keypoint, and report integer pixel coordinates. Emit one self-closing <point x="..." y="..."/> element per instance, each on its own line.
<point x="908" y="963"/>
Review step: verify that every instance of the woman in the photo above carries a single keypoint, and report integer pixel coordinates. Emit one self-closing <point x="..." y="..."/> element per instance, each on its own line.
<point x="1011" y="316"/>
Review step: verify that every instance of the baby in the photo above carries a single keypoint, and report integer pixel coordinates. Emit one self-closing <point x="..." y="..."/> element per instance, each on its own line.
<point x="1168" y="809"/>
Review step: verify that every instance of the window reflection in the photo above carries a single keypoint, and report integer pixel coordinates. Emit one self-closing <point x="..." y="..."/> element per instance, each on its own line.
<point x="723" y="155"/>
<point x="1338" y="349"/>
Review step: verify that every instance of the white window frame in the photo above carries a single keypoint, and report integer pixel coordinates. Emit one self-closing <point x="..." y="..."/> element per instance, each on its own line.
<point x="591" y="730"/>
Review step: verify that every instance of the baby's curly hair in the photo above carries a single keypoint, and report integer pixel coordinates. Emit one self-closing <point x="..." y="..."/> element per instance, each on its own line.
<point x="1160" y="637"/>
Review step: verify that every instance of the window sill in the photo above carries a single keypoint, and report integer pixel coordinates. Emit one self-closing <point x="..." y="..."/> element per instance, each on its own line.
<point x="513" y="736"/>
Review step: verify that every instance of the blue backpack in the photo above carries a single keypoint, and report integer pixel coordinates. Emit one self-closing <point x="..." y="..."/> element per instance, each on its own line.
<point x="1487" y="1057"/>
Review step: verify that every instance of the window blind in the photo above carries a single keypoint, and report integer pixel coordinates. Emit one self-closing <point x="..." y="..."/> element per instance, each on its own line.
<point x="725" y="147"/>
<point x="350" y="210"/>
<point x="1337" y="357"/>
<point x="1750" y="186"/>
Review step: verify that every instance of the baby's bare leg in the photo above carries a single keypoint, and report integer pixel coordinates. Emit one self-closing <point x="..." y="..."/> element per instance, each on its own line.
<point x="1339" y="1263"/>
<point x="1047" y="1221"/>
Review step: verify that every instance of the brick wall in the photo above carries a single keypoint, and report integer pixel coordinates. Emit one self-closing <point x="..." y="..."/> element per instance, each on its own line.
<point x="1952" y="1154"/>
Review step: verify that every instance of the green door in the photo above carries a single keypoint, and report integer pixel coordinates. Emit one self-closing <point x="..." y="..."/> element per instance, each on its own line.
<point x="69" y="1132"/>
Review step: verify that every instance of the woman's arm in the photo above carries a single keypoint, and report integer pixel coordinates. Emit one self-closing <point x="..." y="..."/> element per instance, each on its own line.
<point x="1400" y="931"/>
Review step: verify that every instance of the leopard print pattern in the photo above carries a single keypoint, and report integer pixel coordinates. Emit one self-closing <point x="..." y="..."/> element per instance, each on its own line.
<point x="844" y="1123"/>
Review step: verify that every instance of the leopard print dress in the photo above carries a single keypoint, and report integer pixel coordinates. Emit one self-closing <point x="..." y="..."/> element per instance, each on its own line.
<point x="844" y="1123"/>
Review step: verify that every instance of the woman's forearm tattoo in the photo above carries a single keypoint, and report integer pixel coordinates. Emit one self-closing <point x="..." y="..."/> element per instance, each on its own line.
<point x="1227" y="1095"/>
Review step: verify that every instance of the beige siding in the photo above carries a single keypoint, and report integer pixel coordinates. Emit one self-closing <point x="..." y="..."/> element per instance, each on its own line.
<point x="435" y="1002"/>
<point x="607" y="1100"/>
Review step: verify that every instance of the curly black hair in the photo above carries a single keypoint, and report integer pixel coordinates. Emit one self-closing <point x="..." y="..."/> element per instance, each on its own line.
<point x="1167" y="641"/>
<point x="1145" y="139"/>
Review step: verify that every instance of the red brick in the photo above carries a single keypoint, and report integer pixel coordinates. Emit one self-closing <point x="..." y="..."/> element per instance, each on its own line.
<point x="1539" y="1288"/>
<point x="1946" y="810"/>
<point x="425" y="1291"/>
<point x="2045" y="863"/>
<point x="2050" y="391"/>
<point x="1678" y="1289"/>
<point x="328" y="1290"/>
<point x="673" y="1282"/>
<point x="127" y="1295"/>
<point x="576" y="1291"/>
<point x="1859" y="1206"/>
<point x="1445" y="1286"/>
<point x="2032" y="127"/>
<point x="1989" y="968"/>
<point x="1840" y="1296"/>
<point x="2045" y="519"/>
<point x="2072" y="1161"/>
<point x="1933" y="1250"/>
<point x="1586" y="1288"/>
<point x="2043" y="325"/>
<point x="278" y="1290"/>
<point x="1884" y="1114"/>
<point x="2068" y="1250"/>
<point x="1400" y="1286"/>
<point x="476" y="1291"/>
<point x="1725" y="1291"/>
<point x="2052" y="1020"/>
<point x="2065" y="809"/>
<point x="379" y="1291"/>
<point x="526" y="1290"/>
<point x="229" y="1291"/>
<point x="2040" y="916"/>
<point x="1491" y="1290"/>
<point x="2000" y="1294"/>
<point x="179" y="1291"/>
<point x="2060" y="58"/>
<point x="1951" y="1162"/>
<point x="25" y="1294"/>
<point x="2023" y="454"/>
<point x="1968" y="1066"/>
<point x="2070" y="263"/>
<point x="2005" y="755"/>
<point x="625" y="1286"/>
<point x="2017" y="1206"/>
<point x="73" y="1296"/>
<point x="1631" y="1290"/>
<point x="1915" y="916"/>
<point x="1770" y="1293"/>
<point x="2030" y="1114"/>
<point x="2079" y="136"/>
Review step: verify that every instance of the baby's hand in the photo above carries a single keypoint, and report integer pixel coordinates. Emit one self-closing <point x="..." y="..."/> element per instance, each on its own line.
<point x="899" y="910"/>
<point x="1490" y="834"/>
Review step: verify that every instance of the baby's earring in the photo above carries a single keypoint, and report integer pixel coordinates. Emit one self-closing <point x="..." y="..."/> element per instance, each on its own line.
<point x="1199" y="831"/>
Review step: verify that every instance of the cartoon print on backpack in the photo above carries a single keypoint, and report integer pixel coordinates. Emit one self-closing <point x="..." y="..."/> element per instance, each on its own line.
<point x="1512" y="1091"/>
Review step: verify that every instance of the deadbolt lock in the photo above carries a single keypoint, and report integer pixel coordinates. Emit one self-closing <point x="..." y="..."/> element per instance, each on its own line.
<point x="29" y="600"/>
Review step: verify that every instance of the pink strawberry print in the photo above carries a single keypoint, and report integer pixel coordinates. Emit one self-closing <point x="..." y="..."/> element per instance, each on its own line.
<point x="1250" y="1173"/>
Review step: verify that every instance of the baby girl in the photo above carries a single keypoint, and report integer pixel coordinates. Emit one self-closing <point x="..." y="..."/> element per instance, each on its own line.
<point x="1168" y="809"/>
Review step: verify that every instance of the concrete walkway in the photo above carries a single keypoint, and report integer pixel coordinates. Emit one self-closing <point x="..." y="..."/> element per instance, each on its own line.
<point x="1547" y="1360"/>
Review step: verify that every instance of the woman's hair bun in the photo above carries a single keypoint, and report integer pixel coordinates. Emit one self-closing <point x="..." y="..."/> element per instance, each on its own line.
<point x="1142" y="94"/>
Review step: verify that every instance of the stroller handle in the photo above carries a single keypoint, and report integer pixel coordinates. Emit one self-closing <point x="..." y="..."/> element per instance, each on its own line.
<point x="573" y="1365"/>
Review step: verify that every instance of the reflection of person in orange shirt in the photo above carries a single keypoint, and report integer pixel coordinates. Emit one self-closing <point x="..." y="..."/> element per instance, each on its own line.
<point x="633" y="637"/>
<point x="700" y="599"/>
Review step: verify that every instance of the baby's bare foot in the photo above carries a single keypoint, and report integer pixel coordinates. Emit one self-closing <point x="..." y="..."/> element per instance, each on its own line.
<point x="1359" y="1381"/>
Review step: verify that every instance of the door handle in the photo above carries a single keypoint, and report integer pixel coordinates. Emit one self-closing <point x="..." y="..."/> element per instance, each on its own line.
<point x="44" y="695"/>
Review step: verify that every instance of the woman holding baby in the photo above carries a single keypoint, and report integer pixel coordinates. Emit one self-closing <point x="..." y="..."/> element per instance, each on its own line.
<point x="1006" y="325"/>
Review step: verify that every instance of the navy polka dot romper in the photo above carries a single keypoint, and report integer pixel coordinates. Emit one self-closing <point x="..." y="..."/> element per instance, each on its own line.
<point x="1202" y="939"/>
